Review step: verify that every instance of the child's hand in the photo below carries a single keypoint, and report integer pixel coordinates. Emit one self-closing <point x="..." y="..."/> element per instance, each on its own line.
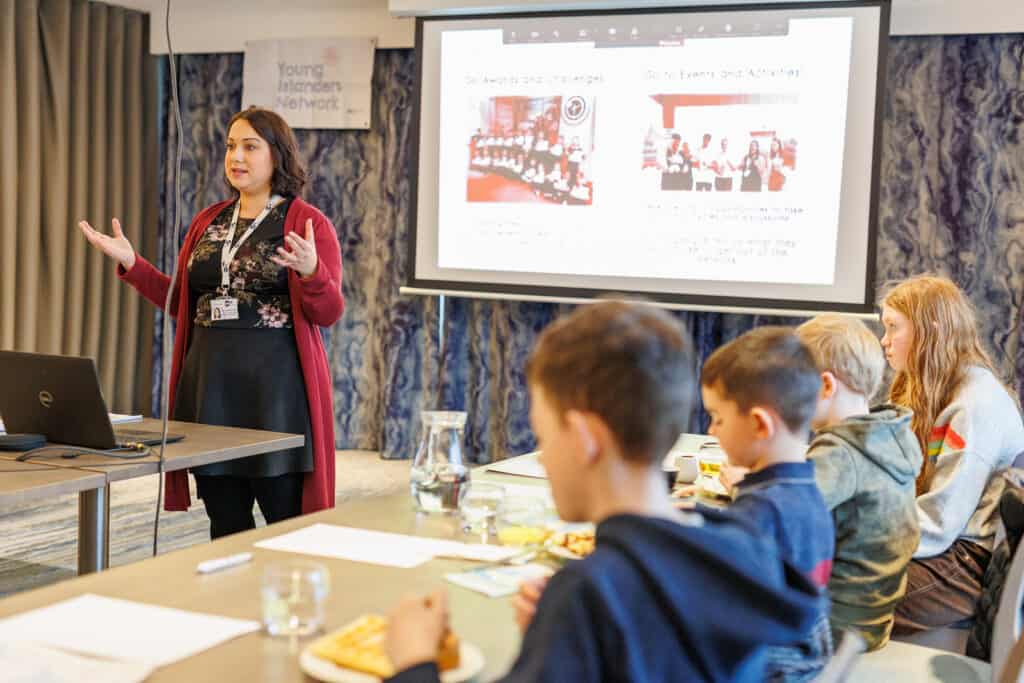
<point x="687" y="491"/>
<point x="525" y="601"/>
<point x="415" y="630"/>
<point x="730" y="475"/>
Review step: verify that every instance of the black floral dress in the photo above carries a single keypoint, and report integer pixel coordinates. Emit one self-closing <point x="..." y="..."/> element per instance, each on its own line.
<point x="245" y="372"/>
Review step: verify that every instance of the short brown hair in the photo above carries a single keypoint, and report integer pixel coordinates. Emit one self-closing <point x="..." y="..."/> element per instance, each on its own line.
<point x="629" y="363"/>
<point x="845" y="347"/>
<point x="767" y="366"/>
<point x="289" y="174"/>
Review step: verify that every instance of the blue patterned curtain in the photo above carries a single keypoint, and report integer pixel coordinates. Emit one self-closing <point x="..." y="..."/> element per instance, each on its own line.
<point x="952" y="193"/>
<point x="951" y="202"/>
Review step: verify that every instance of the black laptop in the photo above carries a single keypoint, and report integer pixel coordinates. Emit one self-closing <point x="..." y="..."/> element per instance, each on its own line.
<point x="59" y="397"/>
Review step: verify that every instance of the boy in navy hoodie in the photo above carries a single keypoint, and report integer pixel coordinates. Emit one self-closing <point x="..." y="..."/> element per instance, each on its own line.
<point x="761" y="391"/>
<point x="666" y="595"/>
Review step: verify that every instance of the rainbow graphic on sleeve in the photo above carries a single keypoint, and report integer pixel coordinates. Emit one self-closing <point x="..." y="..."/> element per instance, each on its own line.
<point x="947" y="436"/>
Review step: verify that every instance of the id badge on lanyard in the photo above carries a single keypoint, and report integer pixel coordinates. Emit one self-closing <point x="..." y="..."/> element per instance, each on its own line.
<point x="225" y="306"/>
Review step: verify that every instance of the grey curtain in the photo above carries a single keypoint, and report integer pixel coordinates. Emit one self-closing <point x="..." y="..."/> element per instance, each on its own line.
<point x="77" y="141"/>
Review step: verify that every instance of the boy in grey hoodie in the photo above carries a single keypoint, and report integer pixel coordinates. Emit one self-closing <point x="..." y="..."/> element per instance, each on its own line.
<point x="865" y="462"/>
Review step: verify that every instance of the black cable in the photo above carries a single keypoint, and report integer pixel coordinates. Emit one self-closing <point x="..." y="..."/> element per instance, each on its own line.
<point x="138" y="452"/>
<point x="166" y="323"/>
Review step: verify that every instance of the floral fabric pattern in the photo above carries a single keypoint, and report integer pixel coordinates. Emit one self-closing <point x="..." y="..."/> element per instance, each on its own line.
<point x="258" y="284"/>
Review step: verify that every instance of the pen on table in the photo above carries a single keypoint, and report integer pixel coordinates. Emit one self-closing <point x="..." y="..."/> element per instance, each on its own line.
<point x="210" y="566"/>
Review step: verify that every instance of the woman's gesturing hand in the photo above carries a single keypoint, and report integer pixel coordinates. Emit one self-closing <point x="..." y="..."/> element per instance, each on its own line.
<point x="301" y="253"/>
<point x="117" y="247"/>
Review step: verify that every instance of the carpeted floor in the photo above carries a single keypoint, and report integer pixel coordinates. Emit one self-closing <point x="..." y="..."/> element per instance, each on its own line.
<point x="38" y="542"/>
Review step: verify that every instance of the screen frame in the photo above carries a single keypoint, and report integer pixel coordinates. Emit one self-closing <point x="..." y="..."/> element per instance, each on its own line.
<point x="700" y="302"/>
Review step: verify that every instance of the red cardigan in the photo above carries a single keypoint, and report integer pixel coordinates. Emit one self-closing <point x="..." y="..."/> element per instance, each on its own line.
<point x="315" y="301"/>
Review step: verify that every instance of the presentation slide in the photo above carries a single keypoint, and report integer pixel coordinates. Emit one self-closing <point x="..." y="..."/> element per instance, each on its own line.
<point x="699" y="153"/>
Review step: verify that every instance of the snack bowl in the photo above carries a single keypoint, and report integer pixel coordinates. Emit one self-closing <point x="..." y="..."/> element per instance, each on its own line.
<point x="522" y="521"/>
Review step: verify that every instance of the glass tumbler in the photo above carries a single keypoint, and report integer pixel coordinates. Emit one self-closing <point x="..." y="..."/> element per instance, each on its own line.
<point x="293" y="593"/>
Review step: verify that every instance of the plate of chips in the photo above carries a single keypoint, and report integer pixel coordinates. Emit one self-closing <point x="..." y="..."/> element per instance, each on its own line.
<point x="571" y="545"/>
<point x="355" y="654"/>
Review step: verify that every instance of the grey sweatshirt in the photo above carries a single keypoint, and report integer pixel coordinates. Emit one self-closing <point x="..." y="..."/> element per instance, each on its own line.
<point x="865" y="467"/>
<point x="974" y="438"/>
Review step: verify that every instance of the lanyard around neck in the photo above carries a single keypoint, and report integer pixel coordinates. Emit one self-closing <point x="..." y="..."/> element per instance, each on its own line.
<point x="227" y="252"/>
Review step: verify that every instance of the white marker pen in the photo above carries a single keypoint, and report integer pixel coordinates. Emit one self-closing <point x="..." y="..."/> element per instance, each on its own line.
<point x="210" y="566"/>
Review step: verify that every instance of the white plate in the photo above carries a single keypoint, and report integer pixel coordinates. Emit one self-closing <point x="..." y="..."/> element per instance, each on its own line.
<point x="558" y="550"/>
<point x="471" y="662"/>
<point x="564" y="553"/>
<point x="712" y="486"/>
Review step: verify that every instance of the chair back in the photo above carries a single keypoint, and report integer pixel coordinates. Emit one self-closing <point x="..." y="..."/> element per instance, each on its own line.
<point x="1006" y="631"/>
<point x="1013" y="669"/>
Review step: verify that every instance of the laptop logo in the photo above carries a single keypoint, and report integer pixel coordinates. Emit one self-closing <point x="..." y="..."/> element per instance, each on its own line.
<point x="45" y="399"/>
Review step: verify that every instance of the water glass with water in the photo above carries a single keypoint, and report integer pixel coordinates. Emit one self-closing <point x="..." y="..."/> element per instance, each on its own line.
<point x="293" y="594"/>
<point x="480" y="505"/>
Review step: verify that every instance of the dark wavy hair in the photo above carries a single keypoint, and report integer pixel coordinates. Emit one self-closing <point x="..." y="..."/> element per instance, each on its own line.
<point x="289" y="174"/>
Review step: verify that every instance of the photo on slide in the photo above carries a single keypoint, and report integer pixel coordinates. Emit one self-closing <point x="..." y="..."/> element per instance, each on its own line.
<point x="532" y="150"/>
<point x="720" y="143"/>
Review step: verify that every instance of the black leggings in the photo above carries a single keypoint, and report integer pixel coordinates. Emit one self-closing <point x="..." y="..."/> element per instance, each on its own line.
<point x="229" y="500"/>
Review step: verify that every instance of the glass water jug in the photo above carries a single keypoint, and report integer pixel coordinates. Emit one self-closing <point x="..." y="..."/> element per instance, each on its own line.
<point x="439" y="477"/>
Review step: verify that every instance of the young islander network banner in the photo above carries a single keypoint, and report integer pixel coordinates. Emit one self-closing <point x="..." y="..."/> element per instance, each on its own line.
<point x="311" y="82"/>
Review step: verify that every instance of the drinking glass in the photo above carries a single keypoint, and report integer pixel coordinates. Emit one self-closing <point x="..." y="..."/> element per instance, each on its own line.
<point x="293" y="594"/>
<point x="479" y="506"/>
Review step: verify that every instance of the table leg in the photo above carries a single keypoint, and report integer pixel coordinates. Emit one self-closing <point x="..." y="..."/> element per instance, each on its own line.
<point x="94" y="530"/>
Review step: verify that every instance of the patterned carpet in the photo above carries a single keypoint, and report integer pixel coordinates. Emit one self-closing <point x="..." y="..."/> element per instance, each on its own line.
<point x="38" y="542"/>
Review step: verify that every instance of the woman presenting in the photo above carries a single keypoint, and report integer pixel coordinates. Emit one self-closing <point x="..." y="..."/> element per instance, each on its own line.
<point x="256" y="275"/>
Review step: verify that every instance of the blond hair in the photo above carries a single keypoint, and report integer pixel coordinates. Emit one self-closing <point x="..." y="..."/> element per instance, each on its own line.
<point x="944" y="346"/>
<point x="845" y="347"/>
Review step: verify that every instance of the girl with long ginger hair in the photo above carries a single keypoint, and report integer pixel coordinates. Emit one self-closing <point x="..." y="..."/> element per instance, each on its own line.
<point x="969" y="428"/>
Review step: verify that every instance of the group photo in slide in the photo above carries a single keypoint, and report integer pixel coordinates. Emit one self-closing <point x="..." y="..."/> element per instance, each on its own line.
<point x="720" y="143"/>
<point x="532" y="149"/>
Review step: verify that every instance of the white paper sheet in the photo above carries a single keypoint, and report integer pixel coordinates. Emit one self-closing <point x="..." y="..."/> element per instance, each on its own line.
<point x="522" y="465"/>
<point x="119" y="418"/>
<point x="378" y="547"/>
<point x="496" y="582"/>
<point x="115" y="419"/>
<point x="25" y="662"/>
<point x="475" y="551"/>
<point x="121" y="629"/>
